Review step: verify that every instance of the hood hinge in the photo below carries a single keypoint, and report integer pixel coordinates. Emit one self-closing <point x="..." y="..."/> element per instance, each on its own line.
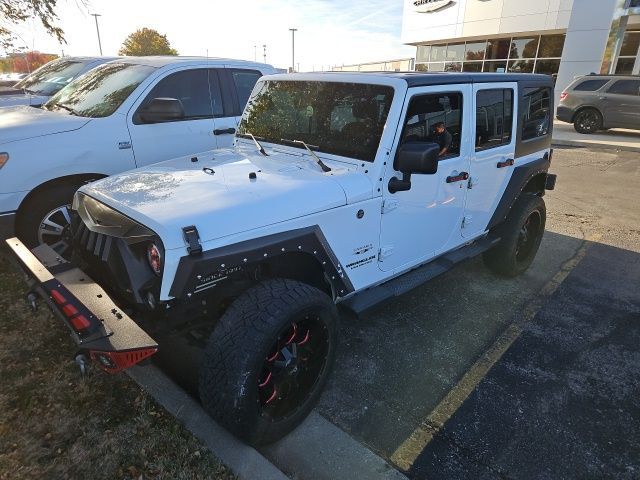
<point x="388" y="205"/>
<point x="192" y="238"/>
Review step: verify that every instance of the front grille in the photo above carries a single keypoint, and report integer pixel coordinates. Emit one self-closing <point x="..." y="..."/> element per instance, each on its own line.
<point x="92" y="243"/>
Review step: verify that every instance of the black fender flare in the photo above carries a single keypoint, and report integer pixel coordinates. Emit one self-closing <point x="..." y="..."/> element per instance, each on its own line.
<point x="197" y="273"/>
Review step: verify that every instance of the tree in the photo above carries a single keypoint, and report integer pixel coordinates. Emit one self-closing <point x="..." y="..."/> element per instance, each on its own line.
<point x="15" y="12"/>
<point x="146" y="41"/>
<point x="29" y="61"/>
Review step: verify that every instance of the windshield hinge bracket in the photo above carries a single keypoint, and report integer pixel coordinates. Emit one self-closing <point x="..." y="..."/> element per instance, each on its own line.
<point x="192" y="238"/>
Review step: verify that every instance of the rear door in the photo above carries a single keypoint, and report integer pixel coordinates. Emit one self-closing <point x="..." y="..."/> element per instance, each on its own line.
<point x="622" y="105"/>
<point x="155" y="142"/>
<point x="494" y="152"/>
<point x="420" y="223"/>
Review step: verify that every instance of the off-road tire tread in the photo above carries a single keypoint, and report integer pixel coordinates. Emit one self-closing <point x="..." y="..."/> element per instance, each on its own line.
<point x="236" y="342"/>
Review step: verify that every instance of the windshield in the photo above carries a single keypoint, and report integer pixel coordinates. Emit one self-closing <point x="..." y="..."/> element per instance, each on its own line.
<point x="51" y="77"/>
<point x="101" y="91"/>
<point x="344" y="119"/>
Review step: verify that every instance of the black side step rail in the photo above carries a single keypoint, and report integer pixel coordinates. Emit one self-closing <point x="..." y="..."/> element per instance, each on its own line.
<point x="397" y="286"/>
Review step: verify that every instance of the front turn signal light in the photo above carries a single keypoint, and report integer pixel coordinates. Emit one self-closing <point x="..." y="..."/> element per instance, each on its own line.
<point x="4" y="157"/>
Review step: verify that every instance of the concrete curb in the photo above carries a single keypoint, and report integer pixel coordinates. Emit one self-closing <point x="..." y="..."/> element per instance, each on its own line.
<point x="243" y="460"/>
<point x="598" y="145"/>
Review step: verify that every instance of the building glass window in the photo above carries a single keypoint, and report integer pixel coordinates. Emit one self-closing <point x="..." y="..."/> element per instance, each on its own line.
<point x="498" y="48"/>
<point x="625" y="66"/>
<point x="524" y="47"/>
<point x="521" y="66"/>
<point x="630" y="44"/>
<point x="455" y="52"/>
<point x="472" y="67"/>
<point x="438" y="53"/>
<point x="422" y="55"/>
<point x="500" y="66"/>
<point x="475" y="50"/>
<point x="494" y="118"/>
<point x="540" y="54"/>
<point x="551" y="46"/>
<point x="547" y="67"/>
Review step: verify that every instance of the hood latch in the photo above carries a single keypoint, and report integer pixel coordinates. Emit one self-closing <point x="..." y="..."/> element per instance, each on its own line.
<point x="192" y="238"/>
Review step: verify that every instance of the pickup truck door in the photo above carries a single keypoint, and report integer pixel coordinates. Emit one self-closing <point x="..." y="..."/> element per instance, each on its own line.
<point x="419" y="223"/>
<point x="155" y="142"/>
<point x="495" y="113"/>
<point x="237" y="84"/>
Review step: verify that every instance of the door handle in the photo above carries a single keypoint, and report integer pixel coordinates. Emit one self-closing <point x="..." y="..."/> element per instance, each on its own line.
<point x="506" y="163"/>
<point x="458" y="178"/>
<point x="224" y="131"/>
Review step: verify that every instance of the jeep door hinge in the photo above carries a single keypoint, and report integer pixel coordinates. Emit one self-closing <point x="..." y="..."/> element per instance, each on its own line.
<point x="388" y="205"/>
<point x="192" y="237"/>
<point x="385" y="252"/>
<point x="467" y="220"/>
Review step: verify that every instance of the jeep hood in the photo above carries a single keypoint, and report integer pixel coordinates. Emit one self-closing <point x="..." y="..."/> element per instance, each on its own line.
<point x="218" y="195"/>
<point x="24" y="122"/>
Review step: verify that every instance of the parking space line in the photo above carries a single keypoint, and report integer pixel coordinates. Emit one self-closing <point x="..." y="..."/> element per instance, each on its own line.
<point x="406" y="454"/>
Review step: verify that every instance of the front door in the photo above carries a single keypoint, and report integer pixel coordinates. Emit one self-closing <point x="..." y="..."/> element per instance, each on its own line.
<point x="155" y="142"/>
<point x="494" y="152"/>
<point x="425" y="220"/>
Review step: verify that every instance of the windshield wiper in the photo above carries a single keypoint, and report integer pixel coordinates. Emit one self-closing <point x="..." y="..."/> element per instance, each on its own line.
<point x="322" y="165"/>
<point x="66" y="107"/>
<point x="258" y="146"/>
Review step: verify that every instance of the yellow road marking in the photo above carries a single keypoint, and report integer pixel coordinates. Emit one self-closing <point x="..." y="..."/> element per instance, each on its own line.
<point x="406" y="454"/>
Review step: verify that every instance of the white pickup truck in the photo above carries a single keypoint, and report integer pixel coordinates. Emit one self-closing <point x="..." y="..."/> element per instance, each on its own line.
<point x="121" y="115"/>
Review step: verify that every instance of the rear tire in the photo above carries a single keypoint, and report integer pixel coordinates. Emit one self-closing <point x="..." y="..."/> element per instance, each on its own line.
<point x="587" y="121"/>
<point x="45" y="218"/>
<point x="268" y="359"/>
<point x="521" y="234"/>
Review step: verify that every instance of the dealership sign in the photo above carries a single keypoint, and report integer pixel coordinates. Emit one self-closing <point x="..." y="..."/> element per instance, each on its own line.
<point x="428" y="6"/>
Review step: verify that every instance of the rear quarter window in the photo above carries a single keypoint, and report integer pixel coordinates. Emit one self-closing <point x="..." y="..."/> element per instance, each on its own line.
<point x="536" y="112"/>
<point x="590" y="85"/>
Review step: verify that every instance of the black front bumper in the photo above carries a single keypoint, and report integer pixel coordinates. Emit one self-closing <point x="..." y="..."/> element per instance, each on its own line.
<point x="98" y="326"/>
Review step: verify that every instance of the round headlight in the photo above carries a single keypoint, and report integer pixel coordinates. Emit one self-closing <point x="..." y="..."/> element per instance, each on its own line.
<point x="155" y="258"/>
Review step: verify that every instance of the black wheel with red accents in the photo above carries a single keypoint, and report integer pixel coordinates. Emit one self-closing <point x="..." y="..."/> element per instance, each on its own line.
<point x="268" y="359"/>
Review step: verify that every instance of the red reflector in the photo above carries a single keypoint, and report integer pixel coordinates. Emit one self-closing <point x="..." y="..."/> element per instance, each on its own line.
<point x="80" y="322"/>
<point x="57" y="297"/>
<point x="69" y="310"/>
<point x="563" y="95"/>
<point x="114" y="362"/>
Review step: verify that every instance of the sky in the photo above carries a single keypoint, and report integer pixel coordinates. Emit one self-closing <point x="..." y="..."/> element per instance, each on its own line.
<point x="330" y="32"/>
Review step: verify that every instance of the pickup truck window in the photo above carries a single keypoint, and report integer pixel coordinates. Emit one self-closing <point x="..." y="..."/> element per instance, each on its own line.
<point x="494" y="118"/>
<point x="191" y="87"/>
<point x="339" y="118"/>
<point x="101" y="91"/>
<point x="435" y="118"/>
<point x="244" y="81"/>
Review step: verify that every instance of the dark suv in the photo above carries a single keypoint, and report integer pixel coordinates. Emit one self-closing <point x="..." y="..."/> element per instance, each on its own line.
<point x="599" y="102"/>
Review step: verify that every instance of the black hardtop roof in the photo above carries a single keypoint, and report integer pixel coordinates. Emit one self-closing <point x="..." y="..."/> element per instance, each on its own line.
<point x="423" y="79"/>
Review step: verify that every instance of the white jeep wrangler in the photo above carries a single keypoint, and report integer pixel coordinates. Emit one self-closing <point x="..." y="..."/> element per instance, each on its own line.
<point x="341" y="189"/>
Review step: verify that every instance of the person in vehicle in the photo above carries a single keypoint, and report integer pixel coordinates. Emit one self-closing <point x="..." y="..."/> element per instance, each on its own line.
<point x="442" y="137"/>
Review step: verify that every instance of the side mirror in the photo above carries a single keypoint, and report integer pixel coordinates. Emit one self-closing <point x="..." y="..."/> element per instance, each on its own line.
<point x="414" y="157"/>
<point x="162" y="110"/>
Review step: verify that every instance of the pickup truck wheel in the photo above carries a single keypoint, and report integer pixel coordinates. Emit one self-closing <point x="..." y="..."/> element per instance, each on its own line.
<point x="521" y="235"/>
<point x="587" y="121"/>
<point x="268" y="359"/>
<point x="45" y="218"/>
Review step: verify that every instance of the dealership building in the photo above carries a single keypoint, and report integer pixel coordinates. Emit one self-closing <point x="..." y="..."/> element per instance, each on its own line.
<point x="557" y="37"/>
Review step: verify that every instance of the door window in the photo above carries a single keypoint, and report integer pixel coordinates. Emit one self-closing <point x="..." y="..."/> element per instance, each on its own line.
<point x="625" y="87"/>
<point x="494" y="118"/>
<point x="536" y="116"/>
<point x="191" y="87"/>
<point x="590" y="85"/>
<point x="244" y="81"/>
<point x="435" y="118"/>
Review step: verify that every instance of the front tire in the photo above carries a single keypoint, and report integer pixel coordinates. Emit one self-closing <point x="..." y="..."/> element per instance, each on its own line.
<point x="587" y="121"/>
<point x="268" y="359"/>
<point x="45" y="218"/>
<point x="521" y="234"/>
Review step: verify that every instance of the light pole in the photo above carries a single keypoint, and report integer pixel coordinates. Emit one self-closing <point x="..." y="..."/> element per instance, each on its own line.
<point x="95" y="16"/>
<point x="264" y="53"/>
<point x="293" y="48"/>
